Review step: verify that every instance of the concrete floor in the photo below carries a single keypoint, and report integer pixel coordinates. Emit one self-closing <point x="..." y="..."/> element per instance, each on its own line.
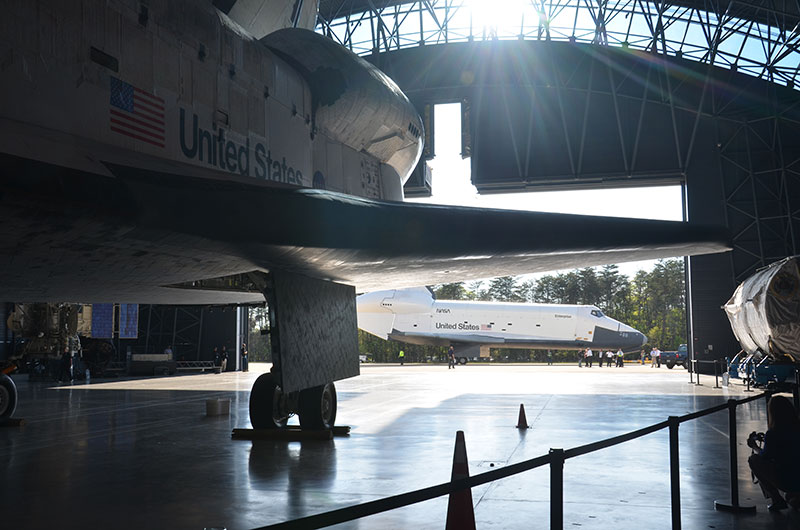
<point x="142" y="454"/>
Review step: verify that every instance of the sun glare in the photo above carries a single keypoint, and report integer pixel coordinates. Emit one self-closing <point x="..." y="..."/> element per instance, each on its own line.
<point x="494" y="14"/>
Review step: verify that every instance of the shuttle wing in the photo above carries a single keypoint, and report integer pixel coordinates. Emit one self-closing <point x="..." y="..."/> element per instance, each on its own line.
<point x="93" y="238"/>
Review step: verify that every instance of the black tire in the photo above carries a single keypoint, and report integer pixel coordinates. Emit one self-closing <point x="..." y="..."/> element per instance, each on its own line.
<point x="462" y="360"/>
<point x="8" y="397"/>
<point x="318" y="407"/>
<point x="670" y="364"/>
<point x="267" y="404"/>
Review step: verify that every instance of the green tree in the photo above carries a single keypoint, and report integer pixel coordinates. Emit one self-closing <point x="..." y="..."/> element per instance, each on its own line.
<point x="544" y="290"/>
<point x="504" y="289"/>
<point x="450" y="291"/>
<point x="258" y="346"/>
<point x="475" y="291"/>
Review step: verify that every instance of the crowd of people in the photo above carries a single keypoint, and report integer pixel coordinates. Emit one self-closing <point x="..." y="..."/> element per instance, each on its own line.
<point x="589" y="357"/>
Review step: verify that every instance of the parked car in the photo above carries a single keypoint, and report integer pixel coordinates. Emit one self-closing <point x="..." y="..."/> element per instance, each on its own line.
<point x="681" y="357"/>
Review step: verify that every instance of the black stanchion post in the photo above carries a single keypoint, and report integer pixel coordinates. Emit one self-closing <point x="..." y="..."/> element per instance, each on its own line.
<point x="556" y="489"/>
<point x="716" y="374"/>
<point x="674" y="472"/>
<point x="749" y="375"/>
<point x="734" y="464"/>
<point x="697" y="374"/>
<point x="796" y="389"/>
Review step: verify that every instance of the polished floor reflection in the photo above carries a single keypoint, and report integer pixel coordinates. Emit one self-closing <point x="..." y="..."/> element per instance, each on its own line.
<point x="142" y="453"/>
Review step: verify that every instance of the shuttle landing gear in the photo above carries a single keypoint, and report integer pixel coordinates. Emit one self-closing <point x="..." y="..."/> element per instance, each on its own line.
<point x="318" y="407"/>
<point x="314" y="341"/>
<point x="268" y="404"/>
<point x="8" y="397"/>
<point x="271" y="407"/>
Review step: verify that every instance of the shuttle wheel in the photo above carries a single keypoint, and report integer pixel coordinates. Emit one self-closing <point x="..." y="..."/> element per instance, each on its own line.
<point x="268" y="408"/>
<point x="462" y="360"/>
<point x="318" y="407"/>
<point x="8" y="397"/>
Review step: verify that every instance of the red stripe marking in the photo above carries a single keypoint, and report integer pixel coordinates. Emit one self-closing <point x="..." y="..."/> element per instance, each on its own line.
<point x="136" y="136"/>
<point x="150" y="114"/>
<point x="137" y="129"/>
<point x="143" y="105"/>
<point x="148" y="94"/>
<point x="139" y="106"/>
<point x="152" y="103"/>
<point x="135" y="120"/>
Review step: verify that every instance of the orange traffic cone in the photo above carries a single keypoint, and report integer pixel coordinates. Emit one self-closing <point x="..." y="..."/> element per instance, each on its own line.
<point x="460" y="513"/>
<point x="522" y="422"/>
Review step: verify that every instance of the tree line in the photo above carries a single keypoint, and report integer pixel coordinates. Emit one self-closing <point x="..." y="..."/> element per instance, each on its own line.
<point x="653" y="302"/>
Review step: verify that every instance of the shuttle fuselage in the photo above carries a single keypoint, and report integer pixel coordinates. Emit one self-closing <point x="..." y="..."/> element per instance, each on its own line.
<point x="414" y="316"/>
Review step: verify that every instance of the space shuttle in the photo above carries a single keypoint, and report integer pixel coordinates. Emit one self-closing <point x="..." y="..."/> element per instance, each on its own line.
<point x="221" y="152"/>
<point x="415" y="316"/>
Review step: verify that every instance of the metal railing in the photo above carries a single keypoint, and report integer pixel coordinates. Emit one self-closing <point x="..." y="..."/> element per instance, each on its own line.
<point x="556" y="459"/>
<point x="717" y="372"/>
<point x="194" y="365"/>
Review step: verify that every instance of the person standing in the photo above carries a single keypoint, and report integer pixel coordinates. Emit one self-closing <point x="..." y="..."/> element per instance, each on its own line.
<point x="401" y="356"/>
<point x="776" y="464"/>
<point x="620" y="358"/>
<point x="451" y="358"/>
<point x="223" y="359"/>
<point x="653" y="357"/>
<point x="589" y="356"/>
<point x="216" y="356"/>
<point x="643" y="355"/>
<point x="66" y="366"/>
<point x="581" y="355"/>
<point x="549" y="358"/>
<point x="245" y="368"/>
<point x="658" y="358"/>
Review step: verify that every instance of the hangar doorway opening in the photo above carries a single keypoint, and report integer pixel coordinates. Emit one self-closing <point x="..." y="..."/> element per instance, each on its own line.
<point x="649" y="295"/>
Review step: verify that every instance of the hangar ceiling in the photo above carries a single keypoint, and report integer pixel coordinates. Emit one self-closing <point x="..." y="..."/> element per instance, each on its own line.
<point x="760" y="38"/>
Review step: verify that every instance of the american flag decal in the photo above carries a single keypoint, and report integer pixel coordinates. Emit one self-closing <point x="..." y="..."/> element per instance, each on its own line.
<point x="486" y="327"/>
<point x="136" y="113"/>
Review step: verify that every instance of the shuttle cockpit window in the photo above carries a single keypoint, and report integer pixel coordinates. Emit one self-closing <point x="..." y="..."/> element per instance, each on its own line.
<point x="597" y="313"/>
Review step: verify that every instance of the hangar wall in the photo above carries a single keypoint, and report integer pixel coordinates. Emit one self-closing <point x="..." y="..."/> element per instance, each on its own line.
<point x="555" y="115"/>
<point x="192" y="331"/>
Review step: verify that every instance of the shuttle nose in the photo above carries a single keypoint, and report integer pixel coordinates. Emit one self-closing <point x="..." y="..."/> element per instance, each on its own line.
<point x="631" y="338"/>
